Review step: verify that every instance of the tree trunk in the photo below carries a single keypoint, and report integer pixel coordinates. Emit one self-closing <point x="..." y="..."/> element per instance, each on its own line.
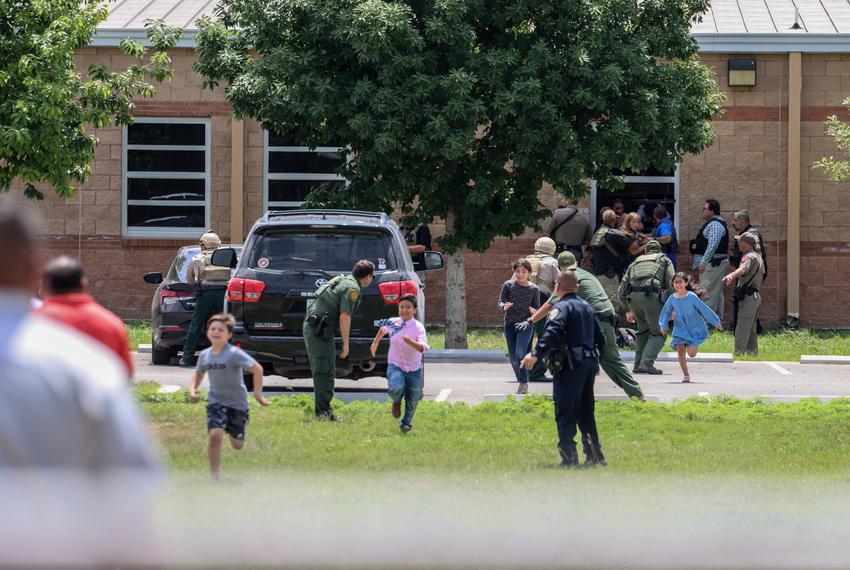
<point x="455" y="293"/>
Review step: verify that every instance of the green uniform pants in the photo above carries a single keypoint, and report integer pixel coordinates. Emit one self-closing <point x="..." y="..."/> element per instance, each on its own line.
<point x="746" y="337"/>
<point x="322" y="354"/>
<point x="611" y="285"/>
<point x="207" y="304"/>
<point x="539" y="370"/>
<point x="613" y="365"/>
<point x="648" y="339"/>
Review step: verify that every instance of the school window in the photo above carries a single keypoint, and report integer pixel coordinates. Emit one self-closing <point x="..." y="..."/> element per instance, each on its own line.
<point x="166" y="177"/>
<point x="292" y="171"/>
<point x="642" y="193"/>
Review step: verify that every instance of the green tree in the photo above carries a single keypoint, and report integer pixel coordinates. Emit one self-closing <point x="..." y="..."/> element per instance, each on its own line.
<point x="46" y="104"/>
<point x="837" y="168"/>
<point x="461" y="109"/>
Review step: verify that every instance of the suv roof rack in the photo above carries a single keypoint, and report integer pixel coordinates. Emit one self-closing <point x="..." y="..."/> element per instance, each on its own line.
<point x="352" y="215"/>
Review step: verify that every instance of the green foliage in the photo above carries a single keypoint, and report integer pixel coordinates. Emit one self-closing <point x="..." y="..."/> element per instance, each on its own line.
<point x="462" y="109"/>
<point x="47" y="105"/>
<point x="837" y="168"/>
<point x="721" y="435"/>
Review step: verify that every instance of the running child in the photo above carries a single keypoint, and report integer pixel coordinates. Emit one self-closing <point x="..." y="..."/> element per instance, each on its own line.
<point x="227" y="402"/>
<point x="404" y="373"/>
<point x="690" y="314"/>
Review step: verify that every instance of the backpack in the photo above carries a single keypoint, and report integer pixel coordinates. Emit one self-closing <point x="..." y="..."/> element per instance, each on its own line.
<point x="625" y="337"/>
<point x="536" y="264"/>
<point x="213" y="273"/>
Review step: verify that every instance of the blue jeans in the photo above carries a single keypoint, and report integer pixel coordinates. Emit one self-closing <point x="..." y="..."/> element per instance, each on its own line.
<point x="406" y="385"/>
<point x="518" y="348"/>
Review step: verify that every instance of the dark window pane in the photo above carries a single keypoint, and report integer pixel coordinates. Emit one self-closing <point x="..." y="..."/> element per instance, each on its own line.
<point x="288" y="139"/>
<point x="165" y="216"/>
<point x="167" y="133"/>
<point x="297" y="190"/>
<point x="311" y="162"/>
<point x="332" y="251"/>
<point x="640" y="197"/>
<point x="165" y="189"/>
<point x="166" y="160"/>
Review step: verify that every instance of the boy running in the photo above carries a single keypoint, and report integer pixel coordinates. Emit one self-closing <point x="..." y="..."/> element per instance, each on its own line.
<point x="227" y="403"/>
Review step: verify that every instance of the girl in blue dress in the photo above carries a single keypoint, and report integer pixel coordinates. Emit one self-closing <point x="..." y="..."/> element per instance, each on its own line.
<point x="689" y="317"/>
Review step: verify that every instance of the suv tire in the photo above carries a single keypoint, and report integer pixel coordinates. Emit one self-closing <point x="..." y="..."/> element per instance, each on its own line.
<point x="160" y="356"/>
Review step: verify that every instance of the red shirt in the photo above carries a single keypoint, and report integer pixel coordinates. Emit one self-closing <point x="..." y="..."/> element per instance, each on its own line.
<point x="82" y="312"/>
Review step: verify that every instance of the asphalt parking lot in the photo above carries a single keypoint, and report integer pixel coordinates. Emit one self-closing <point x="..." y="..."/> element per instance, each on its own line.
<point x="474" y="383"/>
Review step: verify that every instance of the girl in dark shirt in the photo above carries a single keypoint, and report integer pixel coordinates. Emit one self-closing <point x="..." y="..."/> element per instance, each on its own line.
<point x="519" y="299"/>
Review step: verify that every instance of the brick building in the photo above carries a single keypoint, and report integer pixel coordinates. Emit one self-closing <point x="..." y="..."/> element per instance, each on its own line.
<point x="186" y="165"/>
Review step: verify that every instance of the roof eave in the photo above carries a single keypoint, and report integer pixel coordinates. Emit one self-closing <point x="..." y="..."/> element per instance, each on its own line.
<point x="772" y="43"/>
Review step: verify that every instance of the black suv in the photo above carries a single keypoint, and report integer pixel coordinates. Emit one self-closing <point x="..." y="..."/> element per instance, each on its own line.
<point x="290" y="254"/>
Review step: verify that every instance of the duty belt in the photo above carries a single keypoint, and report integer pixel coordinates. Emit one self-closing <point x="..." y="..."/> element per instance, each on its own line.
<point x="211" y="286"/>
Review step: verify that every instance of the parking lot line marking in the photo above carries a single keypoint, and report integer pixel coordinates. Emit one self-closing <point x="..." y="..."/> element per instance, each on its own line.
<point x="443" y="395"/>
<point x="778" y="368"/>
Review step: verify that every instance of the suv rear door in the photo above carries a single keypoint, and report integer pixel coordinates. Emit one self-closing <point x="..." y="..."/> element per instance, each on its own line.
<point x="294" y="261"/>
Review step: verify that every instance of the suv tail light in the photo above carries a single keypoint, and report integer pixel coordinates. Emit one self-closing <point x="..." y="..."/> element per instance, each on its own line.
<point x="167" y="294"/>
<point x="392" y="291"/>
<point x="245" y="290"/>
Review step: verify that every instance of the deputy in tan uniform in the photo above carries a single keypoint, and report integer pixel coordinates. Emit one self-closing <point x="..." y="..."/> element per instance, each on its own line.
<point x="749" y="276"/>
<point x="544" y="274"/>
<point x="210" y="283"/>
<point x="569" y="228"/>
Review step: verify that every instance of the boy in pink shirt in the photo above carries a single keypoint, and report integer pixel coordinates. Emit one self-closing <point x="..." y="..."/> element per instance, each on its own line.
<point x="404" y="373"/>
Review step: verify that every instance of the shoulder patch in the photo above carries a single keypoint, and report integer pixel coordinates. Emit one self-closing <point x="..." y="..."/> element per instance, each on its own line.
<point x="353" y="295"/>
<point x="553" y="314"/>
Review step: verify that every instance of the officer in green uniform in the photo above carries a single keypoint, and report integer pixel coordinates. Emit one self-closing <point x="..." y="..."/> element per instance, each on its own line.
<point x="641" y="290"/>
<point x="210" y="283"/>
<point x="746" y="297"/>
<point x="592" y="291"/>
<point x="333" y="305"/>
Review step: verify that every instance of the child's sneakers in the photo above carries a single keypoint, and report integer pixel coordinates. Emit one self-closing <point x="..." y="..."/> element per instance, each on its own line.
<point x="686" y="379"/>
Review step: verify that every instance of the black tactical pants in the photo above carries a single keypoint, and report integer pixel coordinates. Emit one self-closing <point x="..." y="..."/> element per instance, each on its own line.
<point x="208" y="302"/>
<point x="572" y="391"/>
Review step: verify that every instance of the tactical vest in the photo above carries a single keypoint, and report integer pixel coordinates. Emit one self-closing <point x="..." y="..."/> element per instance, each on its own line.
<point x="599" y="237"/>
<point x="606" y="260"/>
<point x="648" y="267"/>
<point x="536" y="264"/>
<point x="213" y="273"/>
<point x="700" y="244"/>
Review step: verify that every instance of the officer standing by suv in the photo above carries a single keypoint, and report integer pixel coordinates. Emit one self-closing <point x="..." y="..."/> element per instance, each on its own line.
<point x="334" y="304"/>
<point x="210" y="283"/>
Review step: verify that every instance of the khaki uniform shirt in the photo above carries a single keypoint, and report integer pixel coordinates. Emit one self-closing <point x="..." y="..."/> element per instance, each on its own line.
<point x="575" y="232"/>
<point x="339" y="295"/>
<point x="754" y="274"/>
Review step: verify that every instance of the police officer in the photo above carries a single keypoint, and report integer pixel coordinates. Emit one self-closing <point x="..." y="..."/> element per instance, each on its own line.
<point x="741" y="221"/>
<point x="610" y="249"/>
<point x="569" y="228"/>
<point x="544" y="274"/>
<point x="746" y="297"/>
<point x="710" y="254"/>
<point x="641" y="291"/>
<point x="210" y="283"/>
<point x="333" y="305"/>
<point x="571" y="342"/>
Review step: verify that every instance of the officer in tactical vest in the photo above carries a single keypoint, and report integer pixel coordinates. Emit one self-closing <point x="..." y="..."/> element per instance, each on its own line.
<point x="646" y="280"/>
<point x="610" y="249"/>
<point x="333" y="306"/>
<point x="746" y="298"/>
<point x="544" y="274"/>
<point x="210" y="283"/>
<point x="710" y="251"/>
<point x="571" y="344"/>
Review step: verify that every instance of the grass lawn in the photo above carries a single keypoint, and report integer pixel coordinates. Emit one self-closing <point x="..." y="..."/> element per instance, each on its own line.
<point x="700" y="436"/>
<point x="778" y="344"/>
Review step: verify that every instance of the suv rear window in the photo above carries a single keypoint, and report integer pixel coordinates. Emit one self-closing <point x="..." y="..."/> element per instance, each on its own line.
<point x="184" y="258"/>
<point x="329" y="250"/>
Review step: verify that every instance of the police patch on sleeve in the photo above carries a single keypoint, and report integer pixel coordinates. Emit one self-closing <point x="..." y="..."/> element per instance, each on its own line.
<point x="353" y="295"/>
<point x="553" y="314"/>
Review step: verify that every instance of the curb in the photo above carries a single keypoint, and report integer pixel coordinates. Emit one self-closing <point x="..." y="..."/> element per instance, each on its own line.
<point x="144" y="349"/>
<point x="823" y="359"/>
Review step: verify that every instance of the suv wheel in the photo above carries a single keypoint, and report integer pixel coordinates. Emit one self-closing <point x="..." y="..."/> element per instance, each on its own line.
<point x="160" y="355"/>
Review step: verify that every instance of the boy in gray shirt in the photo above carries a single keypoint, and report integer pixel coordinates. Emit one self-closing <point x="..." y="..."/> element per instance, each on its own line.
<point x="227" y="403"/>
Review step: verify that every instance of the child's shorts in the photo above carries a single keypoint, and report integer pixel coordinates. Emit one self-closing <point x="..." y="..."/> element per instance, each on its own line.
<point x="231" y="420"/>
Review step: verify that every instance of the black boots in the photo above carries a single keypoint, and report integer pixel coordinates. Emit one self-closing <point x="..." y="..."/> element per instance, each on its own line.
<point x="569" y="457"/>
<point x="592" y="452"/>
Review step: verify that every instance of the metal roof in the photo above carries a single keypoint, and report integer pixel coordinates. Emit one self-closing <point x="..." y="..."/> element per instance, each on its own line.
<point x="727" y="26"/>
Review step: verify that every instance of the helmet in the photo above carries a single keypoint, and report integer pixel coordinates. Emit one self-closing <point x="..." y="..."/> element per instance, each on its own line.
<point x="210" y="241"/>
<point x="545" y="245"/>
<point x="653" y="247"/>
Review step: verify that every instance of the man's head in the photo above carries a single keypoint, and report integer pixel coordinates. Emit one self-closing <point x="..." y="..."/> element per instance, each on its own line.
<point x="741" y="219"/>
<point x="653" y="246"/>
<point x="566" y="260"/>
<point x="609" y="217"/>
<point x="63" y="275"/>
<point x="618" y="207"/>
<point x="545" y="245"/>
<point x="710" y="209"/>
<point x="364" y="272"/>
<point x="18" y="251"/>
<point x="659" y="213"/>
<point x="747" y="242"/>
<point x="210" y="241"/>
<point x="567" y="282"/>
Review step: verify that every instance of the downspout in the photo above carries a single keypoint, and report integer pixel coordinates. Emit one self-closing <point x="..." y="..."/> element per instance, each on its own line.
<point x="795" y="82"/>
<point x="237" y="177"/>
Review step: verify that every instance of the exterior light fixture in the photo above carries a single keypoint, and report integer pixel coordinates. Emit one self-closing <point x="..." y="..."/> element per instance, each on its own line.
<point x="742" y="72"/>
